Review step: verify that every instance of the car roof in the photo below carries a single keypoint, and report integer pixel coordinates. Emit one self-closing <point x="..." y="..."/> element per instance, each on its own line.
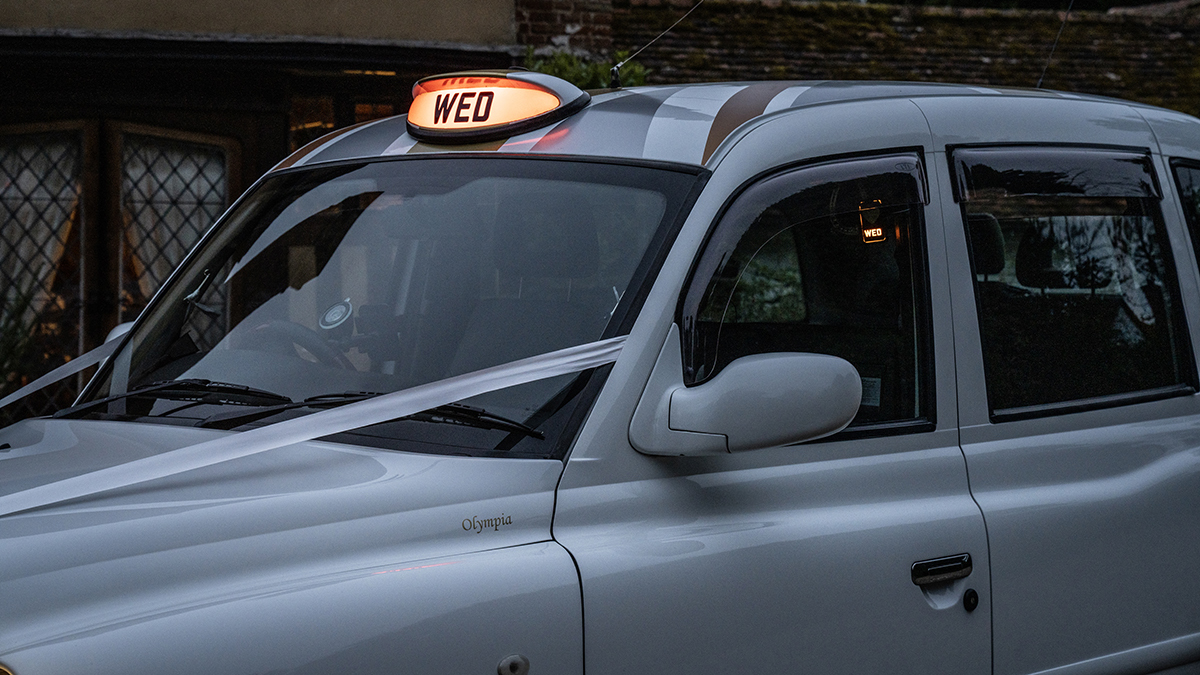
<point x="683" y="123"/>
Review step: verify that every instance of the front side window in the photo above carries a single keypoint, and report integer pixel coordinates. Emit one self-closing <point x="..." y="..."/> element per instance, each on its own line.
<point x="333" y="283"/>
<point x="824" y="259"/>
<point x="1075" y="287"/>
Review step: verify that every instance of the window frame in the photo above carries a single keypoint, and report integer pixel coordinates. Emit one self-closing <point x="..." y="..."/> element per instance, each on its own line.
<point x="1192" y="227"/>
<point x="588" y="383"/>
<point x="1184" y="347"/>
<point x="926" y="370"/>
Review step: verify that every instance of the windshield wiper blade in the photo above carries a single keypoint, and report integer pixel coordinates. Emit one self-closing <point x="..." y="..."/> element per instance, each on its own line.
<point x="457" y="413"/>
<point x="452" y="413"/>
<point x="236" y="418"/>
<point x="205" y="390"/>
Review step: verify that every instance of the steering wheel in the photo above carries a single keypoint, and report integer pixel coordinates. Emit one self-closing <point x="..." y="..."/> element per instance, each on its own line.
<point x="284" y="334"/>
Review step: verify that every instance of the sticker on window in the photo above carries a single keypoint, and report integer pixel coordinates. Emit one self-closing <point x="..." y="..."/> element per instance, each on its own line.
<point x="871" y="387"/>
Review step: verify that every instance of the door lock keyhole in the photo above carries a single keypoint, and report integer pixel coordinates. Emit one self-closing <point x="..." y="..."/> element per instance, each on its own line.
<point x="513" y="665"/>
<point x="970" y="600"/>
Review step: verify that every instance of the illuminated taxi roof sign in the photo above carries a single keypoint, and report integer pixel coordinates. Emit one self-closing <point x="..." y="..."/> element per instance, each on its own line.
<point x="486" y="105"/>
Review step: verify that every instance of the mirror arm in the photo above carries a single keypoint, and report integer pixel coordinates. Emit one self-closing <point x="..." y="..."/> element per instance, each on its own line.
<point x="650" y="431"/>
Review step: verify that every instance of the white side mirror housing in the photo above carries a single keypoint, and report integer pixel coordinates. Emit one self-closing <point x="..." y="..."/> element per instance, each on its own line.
<point x="759" y="401"/>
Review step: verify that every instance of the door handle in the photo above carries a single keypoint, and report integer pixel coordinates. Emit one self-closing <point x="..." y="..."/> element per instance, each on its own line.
<point x="938" y="570"/>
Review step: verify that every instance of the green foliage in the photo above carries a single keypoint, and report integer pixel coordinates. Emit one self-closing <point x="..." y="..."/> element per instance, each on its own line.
<point x="767" y="294"/>
<point x="16" y="340"/>
<point x="1053" y="5"/>
<point x="585" y="73"/>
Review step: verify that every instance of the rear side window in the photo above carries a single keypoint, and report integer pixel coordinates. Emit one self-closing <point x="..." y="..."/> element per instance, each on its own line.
<point x="1075" y="287"/>
<point x="823" y="259"/>
<point x="1187" y="176"/>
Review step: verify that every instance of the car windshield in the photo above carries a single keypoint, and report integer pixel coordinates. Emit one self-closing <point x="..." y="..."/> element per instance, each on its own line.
<point x="342" y="280"/>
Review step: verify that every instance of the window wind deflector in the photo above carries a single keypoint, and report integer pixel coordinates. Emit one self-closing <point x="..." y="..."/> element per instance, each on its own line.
<point x="988" y="173"/>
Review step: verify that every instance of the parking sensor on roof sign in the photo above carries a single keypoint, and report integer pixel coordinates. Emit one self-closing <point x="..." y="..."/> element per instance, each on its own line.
<point x="485" y="105"/>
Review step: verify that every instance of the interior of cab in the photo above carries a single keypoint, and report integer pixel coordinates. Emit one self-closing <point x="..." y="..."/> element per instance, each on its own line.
<point x="846" y="298"/>
<point x="1059" y="294"/>
<point x="429" y="286"/>
<point x="826" y="261"/>
<point x="353" y="280"/>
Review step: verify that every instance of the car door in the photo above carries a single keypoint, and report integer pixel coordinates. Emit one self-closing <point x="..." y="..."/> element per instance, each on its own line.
<point x="1078" y="402"/>
<point x="794" y="559"/>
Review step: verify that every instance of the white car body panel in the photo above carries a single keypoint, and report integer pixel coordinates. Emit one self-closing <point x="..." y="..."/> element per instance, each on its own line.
<point x="813" y="541"/>
<point x="1108" y="492"/>
<point x="363" y="555"/>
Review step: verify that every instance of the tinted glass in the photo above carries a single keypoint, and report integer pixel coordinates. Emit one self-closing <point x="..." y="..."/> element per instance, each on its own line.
<point x="1187" y="177"/>
<point x="985" y="173"/>
<point x="824" y="259"/>
<point x="1076" y="290"/>
<point x="382" y="276"/>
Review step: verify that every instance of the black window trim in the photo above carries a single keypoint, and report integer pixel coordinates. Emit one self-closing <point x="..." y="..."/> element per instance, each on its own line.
<point x="1093" y="403"/>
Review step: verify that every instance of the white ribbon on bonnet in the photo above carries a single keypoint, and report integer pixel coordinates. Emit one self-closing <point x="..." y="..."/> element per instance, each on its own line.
<point x="353" y="416"/>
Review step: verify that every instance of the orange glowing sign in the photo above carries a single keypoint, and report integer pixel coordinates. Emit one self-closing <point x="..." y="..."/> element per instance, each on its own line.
<point x="471" y="106"/>
<point x="470" y="102"/>
<point x="868" y="217"/>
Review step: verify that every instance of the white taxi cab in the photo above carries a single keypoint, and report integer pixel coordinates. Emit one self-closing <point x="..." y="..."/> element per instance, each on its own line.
<point x="819" y="377"/>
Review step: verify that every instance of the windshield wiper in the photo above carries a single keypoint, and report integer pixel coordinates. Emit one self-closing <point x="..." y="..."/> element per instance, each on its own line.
<point x="204" y="391"/>
<point x="457" y="413"/>
<point x="236" y="418"/>
<point x="451" y="413"/>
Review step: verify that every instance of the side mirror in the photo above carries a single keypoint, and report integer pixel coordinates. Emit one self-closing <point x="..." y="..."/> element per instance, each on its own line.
<point x="760" y="401"/>
<point x="118" y="331"/>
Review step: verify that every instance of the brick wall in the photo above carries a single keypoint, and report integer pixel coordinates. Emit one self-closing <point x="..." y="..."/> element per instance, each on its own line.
<point x="1148" y="55"/>
<point x="581" y="26"/>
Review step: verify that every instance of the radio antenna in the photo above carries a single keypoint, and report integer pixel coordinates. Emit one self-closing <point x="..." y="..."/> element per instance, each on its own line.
<point x="1055" y="45"/>
<point x="614" y="75"/>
